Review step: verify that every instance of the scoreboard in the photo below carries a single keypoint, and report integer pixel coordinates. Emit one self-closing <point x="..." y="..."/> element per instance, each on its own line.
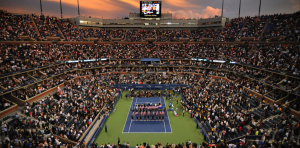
<point x="150" y="9"/>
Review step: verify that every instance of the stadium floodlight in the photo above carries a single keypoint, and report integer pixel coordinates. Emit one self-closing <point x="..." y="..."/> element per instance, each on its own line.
<point x="60" y="9"/>
<point x="259" y="7"/>
<point x="41" y="7"/>
<point x="240" y="9"/>
<point x="78" y="8"/>
<point x="222" y="7"/>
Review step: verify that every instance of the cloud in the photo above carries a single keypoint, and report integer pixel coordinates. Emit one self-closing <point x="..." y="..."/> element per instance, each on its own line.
<point x="205" y="13"/>
<point x="16" y="10"/>
<point x="210" y="11"/>
<point x="101" y="8"/>
<point x="112" y="8"/>
<point x="179" y="3"/>
<point x="122" y="8"/>
<point x="296" y="4"/>
<point x="133" y="3"/>
<point x="106" y="5"/>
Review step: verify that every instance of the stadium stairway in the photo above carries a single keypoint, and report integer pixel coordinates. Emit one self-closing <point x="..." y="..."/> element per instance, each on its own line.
<point x="212" y="80"/>
<point x="2" y="88"/>
<point x="209" y="65"/>
<point x="264" y="79"/>
<point x="67" y="66"/>
<point x="16" y="80"/>
<point x="43" y="73"/>
<point x="82" y="38"/>
<point x="268" y="27"/>
<point x="263" y="32"/>
<point x="237" y="39"/>
<point x="62" y="35"/>
<point x="34" y="24"/>
<point x="281" y="81"/>
<point x="33" y="78"/>
<point x="297" y="88"/>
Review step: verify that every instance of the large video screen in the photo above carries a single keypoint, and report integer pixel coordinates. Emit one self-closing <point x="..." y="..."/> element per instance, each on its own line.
<point x="150" y="8"/>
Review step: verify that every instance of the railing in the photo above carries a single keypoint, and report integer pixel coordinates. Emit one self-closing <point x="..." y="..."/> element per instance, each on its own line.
<point x="84" y="135"/>
<point x="223" y="69"/>
<point x="32" y="83"/>
<point x="8" y="111"/>
<point x="27" y="70"/>
<point x="248" y="137"/>
<point x="263" y="32"/>
<point x="91" y="140"/>
<point x="45" y="93"/>
<point x="272" y="71"/>
<point x="229" y="70"/>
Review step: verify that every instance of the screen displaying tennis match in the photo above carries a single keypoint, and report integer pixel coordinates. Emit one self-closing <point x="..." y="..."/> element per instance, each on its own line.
<point x="150" y="8"/>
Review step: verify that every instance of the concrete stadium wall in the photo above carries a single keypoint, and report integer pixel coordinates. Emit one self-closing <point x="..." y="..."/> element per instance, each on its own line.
<point x="8" y="111"/>
<point x="44" y="94"/>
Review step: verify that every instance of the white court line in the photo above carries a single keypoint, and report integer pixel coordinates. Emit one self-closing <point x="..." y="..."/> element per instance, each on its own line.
<point x="128" y="115"/>
<point x="164" y="119"/>
<point x="146" y="132"/>
<point x="148" y="121"/>
<point x="129" y="126"/>
<point x="146" y="102"/>
<point x="165" y="126"/>
<point x="168" y="116"/>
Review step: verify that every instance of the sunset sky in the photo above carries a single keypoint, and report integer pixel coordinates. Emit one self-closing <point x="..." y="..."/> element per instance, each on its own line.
<point x="179" y="8"/>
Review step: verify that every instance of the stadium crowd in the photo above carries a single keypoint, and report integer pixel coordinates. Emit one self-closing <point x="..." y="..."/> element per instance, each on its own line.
<point x="69" y="30"/>
<point x="254" y="27"/>
<point x="5" y="104"/>
<point x="67" y="113"/>
<point x="19" y="57"/>
<point x="225" y="110"/>
<point x="285" y="26"/>
<point x="46" y="26"/>
<point x="15" y="27"/>
<point x="40" y="88"/>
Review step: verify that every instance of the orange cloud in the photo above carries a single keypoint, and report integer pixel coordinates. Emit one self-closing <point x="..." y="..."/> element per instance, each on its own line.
<point x="180" y="3"/>
<point x="104" y="5"/>
<point x="205" y="13"/>
<point x="296" y="4"/>
<point x="111" y="8"/>
<point x="133" y="3"/>
<point x="210" y="11"/>
<point x="102" y="8"/>
<point x="121" y="8"/>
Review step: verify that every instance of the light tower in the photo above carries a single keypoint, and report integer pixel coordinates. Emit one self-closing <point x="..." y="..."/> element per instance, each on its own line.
<point x="60" y="9"/>
<point x="41" y="7"/>
<point x="240" y="9"/>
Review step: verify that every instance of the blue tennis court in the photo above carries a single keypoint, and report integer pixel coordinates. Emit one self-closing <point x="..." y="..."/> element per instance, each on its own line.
<point x="143" y="124"/>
